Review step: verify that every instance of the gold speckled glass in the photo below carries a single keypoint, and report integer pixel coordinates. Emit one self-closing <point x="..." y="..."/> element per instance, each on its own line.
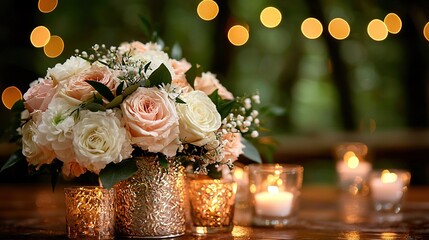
<point x="90" y="212"/>
<point x="211" y="205"/>
<point x="151" y="204"/>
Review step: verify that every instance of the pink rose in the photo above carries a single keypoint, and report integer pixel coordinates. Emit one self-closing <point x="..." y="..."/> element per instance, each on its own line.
<point x="208" y="83"/>
<point x="182" y="83"/>
<point x="180" y="67"/>
<point x="233" y="146"/>
<point x="72" y="169"/>
<point x="79" y="89"/>
<point x="152" y="121"/>
<point x="39" y="95"/>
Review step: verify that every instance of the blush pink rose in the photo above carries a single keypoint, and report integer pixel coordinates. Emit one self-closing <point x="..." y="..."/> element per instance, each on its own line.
<point x="208" y="83"/>
<point x="152" y="121"/>
<point x="77" y="87"/>
<point x="180" y="67"/>
<point x="39" y="95"/>
<point x="233" y="146"/>
<point x="182" y="83"/>
<point x="72" y="169"/>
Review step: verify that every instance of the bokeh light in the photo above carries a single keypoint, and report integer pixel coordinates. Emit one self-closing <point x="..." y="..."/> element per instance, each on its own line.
<point x="311" y="28"/>
<point x="40" y="36"/>
<point x="377" y="30"/>
<point x="238" y="35"/>
<point x="270" y="17"/>
<point x="47" y="6"/>
<point x="10" y="95"/>
<point x="339" y="28"/>
<point x="426" y="31"/>
<point x="393" y="23"/>
<point x="55" y="47"/>
<point x="207" y="10"/>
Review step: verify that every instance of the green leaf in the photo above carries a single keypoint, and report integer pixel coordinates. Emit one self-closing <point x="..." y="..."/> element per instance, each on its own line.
<point x="178" y="100"/>
<point x="250" y="151"/>
<point x="224" y="107"/>
<point x="95" y="107"/>
<point x="114" y="173"/>
<point x="146" y="67"/>
<point x="130" y="89"/>
<point x="102" y="89"/>
<point x="159" y="76"/>
<point x="18" y="106"/>
<point x="194" y="72"/>
<point x="163" y="162"/>
<point x="176" y="52"/>
<point x="213" y="172"/>
<point x="120" y="88"/>
<point x="12" y="160"/>
<point x="115" y="102"/>
<point x="55" y="169"/>
<point x="146" y="26"/>
<point x="98" y="99"/>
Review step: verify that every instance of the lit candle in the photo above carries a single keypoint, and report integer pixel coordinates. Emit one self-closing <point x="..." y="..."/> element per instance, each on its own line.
<point x="273" y="203"/>
<point x="351" y="167"/>
<point x="387" y="187"/>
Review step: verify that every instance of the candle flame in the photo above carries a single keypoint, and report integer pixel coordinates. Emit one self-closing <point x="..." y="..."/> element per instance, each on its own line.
<point x="238" y="173"/>
<point x="273" y="189"/>
<point x="353" y="162"/>
<point x="388" y="177"/>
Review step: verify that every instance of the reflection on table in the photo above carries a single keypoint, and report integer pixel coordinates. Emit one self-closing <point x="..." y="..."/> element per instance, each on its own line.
<point x="35" y="212"/>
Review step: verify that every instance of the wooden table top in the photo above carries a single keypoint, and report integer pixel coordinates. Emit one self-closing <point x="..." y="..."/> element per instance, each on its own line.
<point x="35" y="212"/>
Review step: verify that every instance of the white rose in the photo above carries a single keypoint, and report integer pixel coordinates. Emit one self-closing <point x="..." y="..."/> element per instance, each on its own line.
<point x="36" y="153"/>
<point x="198" y="118"/>
<point x="56" y="129"/>
<point x="72" y="66"/>
<point x="156" y="58"/>
<point x="99" y="138"/>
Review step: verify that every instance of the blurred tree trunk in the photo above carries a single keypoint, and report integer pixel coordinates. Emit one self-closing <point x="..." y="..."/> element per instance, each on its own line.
<point x="223" y="49"/>
<point x="338" y="69"/>
<point x="415" y="80"/>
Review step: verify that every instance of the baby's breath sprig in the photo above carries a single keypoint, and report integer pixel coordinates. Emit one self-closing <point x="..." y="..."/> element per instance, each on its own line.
<point x="243" y="117"/>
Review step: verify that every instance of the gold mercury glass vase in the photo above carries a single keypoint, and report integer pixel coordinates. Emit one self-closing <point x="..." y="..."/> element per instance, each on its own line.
<point x="151" y="204"/>
<point x="90" y="212"/>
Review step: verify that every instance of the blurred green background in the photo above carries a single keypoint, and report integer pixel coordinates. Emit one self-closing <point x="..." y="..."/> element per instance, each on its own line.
<point x="331" y="91"/>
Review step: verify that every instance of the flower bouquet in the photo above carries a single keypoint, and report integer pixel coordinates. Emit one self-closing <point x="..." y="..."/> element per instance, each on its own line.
<point x="136" y="118"/>
<point x="100" y="110"/>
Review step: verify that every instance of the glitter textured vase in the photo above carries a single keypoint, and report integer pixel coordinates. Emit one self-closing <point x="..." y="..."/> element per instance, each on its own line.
<point x="151" y="204"/>
<point x="90" y="213"/>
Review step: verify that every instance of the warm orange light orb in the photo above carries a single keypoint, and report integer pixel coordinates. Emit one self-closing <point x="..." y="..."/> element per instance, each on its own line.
<point x="339" y="28"/>
<point x="40" y="36"/>
<point x="270" y="17"/>
<point x="238" y="35"/>
<point x="426" y="31"/>
<point x="10" y="95"/>
<point x="47" y="6"/>
<point x="311" y="28"/>
<point x="377" y="30"/>
<point x="207" y="10"/>
<point x="393" y="23"/>
<point x="55" y="47"/>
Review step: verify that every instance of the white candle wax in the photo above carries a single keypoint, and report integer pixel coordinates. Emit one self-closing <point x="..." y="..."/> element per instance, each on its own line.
<point x="273" y="204"/>
<point x="386" y="191"/>
<point x="347" y="173"/>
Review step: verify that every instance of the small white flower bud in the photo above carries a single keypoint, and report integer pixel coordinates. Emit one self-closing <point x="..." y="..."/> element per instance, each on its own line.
<point x="254" y="134"/>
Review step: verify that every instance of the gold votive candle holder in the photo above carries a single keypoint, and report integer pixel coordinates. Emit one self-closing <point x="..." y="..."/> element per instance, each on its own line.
<point x="211" y="205"/>
<point x="90" y="212"/>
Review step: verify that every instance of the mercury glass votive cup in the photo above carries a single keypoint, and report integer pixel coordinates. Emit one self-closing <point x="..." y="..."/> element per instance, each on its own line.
<point x="211" y="205"/>
<point x="90" y="212"/>
<point x="275" y="190"/>
<point x="388" y="189"/>
<point x="352" y="167"/>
